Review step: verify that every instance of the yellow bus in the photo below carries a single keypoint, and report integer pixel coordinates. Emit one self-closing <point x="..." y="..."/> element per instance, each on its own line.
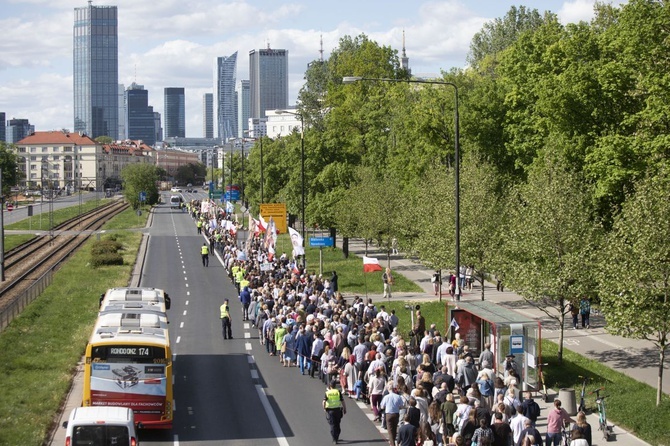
<point x="129" y="364"/>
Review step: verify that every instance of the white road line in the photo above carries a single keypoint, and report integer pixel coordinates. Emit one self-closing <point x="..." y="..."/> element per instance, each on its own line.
<point x="251" y="359"/>
<point x="181" y="325"/>
<point x="185" y="312"/>
<point x="254" y="374"/>
<point x="178" y="339"/>
<point x="174" y="356"/>
<point x="187" y="301"/>
<point x="187" y="285"/>
<point x="247" y="346"/>
<point x="188" y="293"/>
<point x="247" y="335"/>
<point x="174" y="403"/>
<point x="176" y="440"/>
<point x="276" y="428"/>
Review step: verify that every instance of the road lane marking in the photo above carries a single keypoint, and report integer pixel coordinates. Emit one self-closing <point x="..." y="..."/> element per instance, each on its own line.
<point x="178" y="339"/>
<point x="247" y="346"/>
<point x="181" y="325"/>
<point x="254" y="374"/>
<point x="276" y="428"/>
<point x="185" y="311"/>
<point x="187" y="301"/>
<point x="247" y="335"/>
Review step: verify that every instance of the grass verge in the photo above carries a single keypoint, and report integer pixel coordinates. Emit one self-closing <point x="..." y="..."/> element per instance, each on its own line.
<point x="41" y="347"/>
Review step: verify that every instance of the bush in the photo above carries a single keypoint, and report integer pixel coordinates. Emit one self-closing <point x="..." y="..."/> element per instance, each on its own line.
<point x="109" y="258"/>
<point x="105" y="247"/>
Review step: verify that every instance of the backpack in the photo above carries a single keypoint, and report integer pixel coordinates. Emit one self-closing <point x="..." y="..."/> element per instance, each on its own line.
<point x="532" y="411"/>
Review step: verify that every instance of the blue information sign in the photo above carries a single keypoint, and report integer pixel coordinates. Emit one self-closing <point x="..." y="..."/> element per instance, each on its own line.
<point x="318" y="242"/>
<point x="516" y="344"/>
<point x="143" y="196"/>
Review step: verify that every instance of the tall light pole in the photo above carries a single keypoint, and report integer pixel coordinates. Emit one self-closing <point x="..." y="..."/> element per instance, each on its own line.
<point x="457" y="156"/>
<point x="302" y="173"/>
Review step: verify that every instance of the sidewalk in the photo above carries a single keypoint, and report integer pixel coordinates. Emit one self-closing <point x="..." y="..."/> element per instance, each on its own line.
<point x="594" y="343"/>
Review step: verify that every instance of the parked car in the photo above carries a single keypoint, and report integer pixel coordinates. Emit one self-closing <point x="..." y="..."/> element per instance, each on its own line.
<point x="176" y="189"/>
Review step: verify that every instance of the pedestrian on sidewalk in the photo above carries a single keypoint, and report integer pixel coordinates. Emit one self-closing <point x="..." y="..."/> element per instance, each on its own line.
<point x="437" y="282"/>
<point x="555" y="420"/>
<point x="585" y="311"/>
<point x="387" y="278"/>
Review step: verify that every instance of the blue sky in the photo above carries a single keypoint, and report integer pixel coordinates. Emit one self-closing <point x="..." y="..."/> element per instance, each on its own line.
<point x="172" y="43"/>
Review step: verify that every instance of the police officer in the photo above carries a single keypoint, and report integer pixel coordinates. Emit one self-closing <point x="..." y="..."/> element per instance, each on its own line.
<point x="225" y="320"/>
<point x="333" y="404"/>
<point x="204" y="251"/>
<point x="198" y="224"/>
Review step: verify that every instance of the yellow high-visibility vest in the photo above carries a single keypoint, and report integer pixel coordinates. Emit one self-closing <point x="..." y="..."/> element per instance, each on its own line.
<point x="204" y="250"/>
<point x="333" y="400"/>
<point x="224" y="311"/>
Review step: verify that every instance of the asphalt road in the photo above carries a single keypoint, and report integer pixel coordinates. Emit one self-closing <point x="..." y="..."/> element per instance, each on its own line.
<point x="229" y="391"/>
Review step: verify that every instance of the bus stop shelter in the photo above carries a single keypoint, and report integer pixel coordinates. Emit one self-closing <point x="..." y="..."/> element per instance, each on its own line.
<point x="508" y="332"/>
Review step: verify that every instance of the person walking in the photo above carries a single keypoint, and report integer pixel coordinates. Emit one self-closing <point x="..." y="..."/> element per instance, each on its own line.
<point x="437" y="282"/>
<point x="204" y="252"/>
<point x="387" y="278"/>
<point x="335" y="408"/>
<point x="391" y="404"/>
<point x="585" y="311"/>
<point x="245" y="298"/>
<point x="226" y="325"/>
<point x="555" y="420"/>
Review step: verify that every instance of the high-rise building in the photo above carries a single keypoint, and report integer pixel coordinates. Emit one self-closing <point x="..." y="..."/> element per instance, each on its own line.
<point x="17" y="129"/>
<point x="268" y="80"/>
<point x="158" y="128"/>
<point x="243" y="108"/>
<point x="96" y="70"/>
<point x="225" y="73"/>
<point x="140" y="121"/>
<point x="208" y="115"/>
<point x="174" y="112"/>
<point x="2" y="127"/>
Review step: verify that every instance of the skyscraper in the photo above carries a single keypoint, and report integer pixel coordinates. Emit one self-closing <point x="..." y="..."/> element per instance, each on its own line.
<point x="122" y="112"/>
<point x="174" y="113"/>
<point x="243" y="108"/>
<point x="17" y="129"/>
<point x="225" y="73"/>
<point x="208" y="115"/>
<point x="96" y="70"/>
<point x="268" y="80"/>
<point x="140" y="120"/>
<point x="2" y="126"/>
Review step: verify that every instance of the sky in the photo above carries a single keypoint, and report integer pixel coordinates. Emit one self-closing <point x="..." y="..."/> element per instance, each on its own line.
<point x="172" y="43"/>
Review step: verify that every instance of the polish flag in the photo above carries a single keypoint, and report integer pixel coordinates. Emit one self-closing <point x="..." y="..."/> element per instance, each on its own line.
<point x="262" y="225"/>
<point x="371" y="264"/>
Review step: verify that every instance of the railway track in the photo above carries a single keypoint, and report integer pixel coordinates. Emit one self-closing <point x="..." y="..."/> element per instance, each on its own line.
<point x="28" y="262"/>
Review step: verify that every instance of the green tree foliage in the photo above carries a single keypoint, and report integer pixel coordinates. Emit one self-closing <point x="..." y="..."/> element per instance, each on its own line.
<point x="500" y="33"/>
<point x="550" y="241"/>
<point x="635" y="267"/>
<point x="140" y="177"/>
<point x="104" y="140"/>
<point x="190" y="173"/>
<point x="8" y="164"/>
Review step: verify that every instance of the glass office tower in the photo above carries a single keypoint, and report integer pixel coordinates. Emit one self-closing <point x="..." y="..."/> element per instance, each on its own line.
<point x="96" y="71"/>
<point x="174" y="113"/>
<point x="225" y="74"/>
<point x="268" y="80"/>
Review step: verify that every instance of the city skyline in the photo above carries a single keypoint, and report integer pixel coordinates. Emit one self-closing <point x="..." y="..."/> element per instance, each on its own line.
<point x="36" y="69"/>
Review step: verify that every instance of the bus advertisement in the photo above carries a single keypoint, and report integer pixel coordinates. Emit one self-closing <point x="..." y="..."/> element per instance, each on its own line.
<point x="131" y="368"/>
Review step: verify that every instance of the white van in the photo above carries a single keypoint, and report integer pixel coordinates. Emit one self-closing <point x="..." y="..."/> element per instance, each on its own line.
<point x="101" y="426"/>
<point x="175" y="202"/>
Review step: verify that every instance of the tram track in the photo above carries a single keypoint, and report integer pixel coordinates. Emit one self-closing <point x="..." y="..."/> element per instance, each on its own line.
<point x="28" y="262"/>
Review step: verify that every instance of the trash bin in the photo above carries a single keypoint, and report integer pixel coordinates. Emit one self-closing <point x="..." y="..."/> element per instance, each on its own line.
<point x="568" y="401"/>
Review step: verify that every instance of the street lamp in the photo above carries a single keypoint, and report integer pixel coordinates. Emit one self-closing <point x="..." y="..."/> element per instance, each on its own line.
<point x="352" y="79"/>
<point x="302" y="173"/>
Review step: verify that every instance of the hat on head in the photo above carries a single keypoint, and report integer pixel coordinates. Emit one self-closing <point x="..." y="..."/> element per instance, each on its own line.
<point x="510" y="356"/>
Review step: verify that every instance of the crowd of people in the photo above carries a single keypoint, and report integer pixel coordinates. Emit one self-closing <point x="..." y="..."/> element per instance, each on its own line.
<point x="423" y="388"/>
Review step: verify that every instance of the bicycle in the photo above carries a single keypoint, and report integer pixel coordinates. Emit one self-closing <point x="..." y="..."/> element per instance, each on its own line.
<point x="582" y="402"/>
<point x="602" y="414"/>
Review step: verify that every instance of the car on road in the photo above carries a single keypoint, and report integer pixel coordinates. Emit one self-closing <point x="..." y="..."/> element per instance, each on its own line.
<point x="176" y="189"/>
<point x="101" y="425"/>
<point x="175" y="201"/>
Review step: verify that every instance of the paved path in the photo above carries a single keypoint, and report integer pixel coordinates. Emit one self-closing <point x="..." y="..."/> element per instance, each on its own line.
<point x="638" y="359"/>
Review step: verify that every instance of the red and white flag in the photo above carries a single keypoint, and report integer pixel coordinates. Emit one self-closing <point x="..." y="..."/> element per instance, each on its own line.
<point x="371" y="264"/>
<point x="262" y="225"/>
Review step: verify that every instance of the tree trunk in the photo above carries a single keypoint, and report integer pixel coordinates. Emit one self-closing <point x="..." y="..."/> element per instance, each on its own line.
<point x="333" y="234"/>
<point x="481" y="281"/>
<point x="659" y="390"/>
<point x="345" y="247"/>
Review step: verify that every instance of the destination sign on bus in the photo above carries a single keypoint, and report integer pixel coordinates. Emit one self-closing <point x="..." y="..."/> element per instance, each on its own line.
<point x="129" y="351"/>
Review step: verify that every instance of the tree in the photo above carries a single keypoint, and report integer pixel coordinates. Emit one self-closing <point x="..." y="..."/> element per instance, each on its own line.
<point x="8" y="164"/>
<point x="104" y="140"/>
<point x="635" y="267"/>
<point x="140" y="177"/>
<point x="550" y="241"/>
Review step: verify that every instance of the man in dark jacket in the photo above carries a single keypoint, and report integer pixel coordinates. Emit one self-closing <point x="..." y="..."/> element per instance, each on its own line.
<point x="245" y="298"/>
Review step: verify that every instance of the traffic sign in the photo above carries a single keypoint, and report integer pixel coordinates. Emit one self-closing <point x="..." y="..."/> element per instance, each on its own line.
<point x="10" y="207"/>
<point x="317" y="242"/>
<point x="143" y="196"/>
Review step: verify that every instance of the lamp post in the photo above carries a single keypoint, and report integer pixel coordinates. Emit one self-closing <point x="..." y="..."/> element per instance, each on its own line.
<point x="352" y="79"/>
<point x="302" y="173"/>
